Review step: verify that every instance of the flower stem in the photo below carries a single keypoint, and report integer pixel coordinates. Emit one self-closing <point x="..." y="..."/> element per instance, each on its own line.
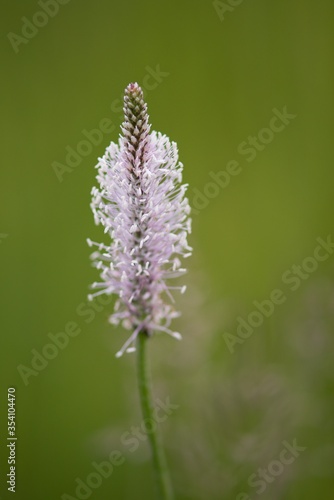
<point x="163" y="484"/>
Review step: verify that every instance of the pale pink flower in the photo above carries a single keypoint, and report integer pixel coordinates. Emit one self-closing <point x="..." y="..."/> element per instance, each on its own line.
<point x="141" y="203"/>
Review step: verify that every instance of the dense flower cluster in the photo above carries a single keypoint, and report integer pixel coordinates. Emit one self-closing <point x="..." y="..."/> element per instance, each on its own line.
<point x="141" y="203"/>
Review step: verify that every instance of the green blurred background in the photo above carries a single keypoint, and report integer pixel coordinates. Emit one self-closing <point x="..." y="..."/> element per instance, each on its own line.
<point x="222" y="69"/>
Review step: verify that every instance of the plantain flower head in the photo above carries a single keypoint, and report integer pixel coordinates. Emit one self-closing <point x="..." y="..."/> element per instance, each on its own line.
<point x="141" y="203"/>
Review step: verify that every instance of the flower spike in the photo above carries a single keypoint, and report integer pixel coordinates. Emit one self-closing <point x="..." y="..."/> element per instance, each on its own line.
<point x="141" y="204"/>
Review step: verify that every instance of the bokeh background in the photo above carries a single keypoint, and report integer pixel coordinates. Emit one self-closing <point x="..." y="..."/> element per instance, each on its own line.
<point x="217" y="70"/>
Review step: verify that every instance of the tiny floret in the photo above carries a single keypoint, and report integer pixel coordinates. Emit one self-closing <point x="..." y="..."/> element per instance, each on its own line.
<point x="141" y="204"/>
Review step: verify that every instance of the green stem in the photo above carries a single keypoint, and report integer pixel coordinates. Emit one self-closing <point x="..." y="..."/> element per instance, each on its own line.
<point x="158" y="456"/>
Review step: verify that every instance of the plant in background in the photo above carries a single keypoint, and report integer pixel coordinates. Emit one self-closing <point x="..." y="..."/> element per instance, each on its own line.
<point x="141" y="204"/>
